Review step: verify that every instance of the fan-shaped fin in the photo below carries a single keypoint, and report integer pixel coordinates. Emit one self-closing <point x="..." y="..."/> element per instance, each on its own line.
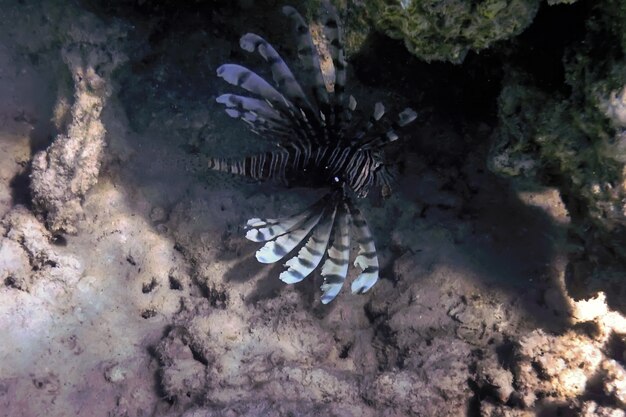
<point x="276" y="249"/>
<point x="335" y="267"/>
<point x="262" y="230"/>
<point x="366" y="259"/>
<point x="311" y="254"/>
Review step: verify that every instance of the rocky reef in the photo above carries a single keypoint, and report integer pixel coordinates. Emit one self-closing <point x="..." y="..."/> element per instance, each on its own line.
<point x="571" y="136"/>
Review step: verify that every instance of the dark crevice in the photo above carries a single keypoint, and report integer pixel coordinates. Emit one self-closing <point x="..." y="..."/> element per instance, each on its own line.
<point x="506" y="354"/>
<point x="148" y="313"/>
<point x="539" y="50"/>
<point x="20" y="189"/>
<point x="149" y="286"/>
<point x="175" y="283"/>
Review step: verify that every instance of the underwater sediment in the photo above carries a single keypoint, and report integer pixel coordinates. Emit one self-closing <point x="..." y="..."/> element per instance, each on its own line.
<point x="129" y="289"/>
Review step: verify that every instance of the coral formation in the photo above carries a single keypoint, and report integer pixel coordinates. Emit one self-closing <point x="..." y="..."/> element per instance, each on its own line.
<point x="447" y="30"/>
<point x="62" y="174"/>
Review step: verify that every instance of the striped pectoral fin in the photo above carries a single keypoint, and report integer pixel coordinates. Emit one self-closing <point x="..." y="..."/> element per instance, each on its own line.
<point x="311" y="254"/>
<point x="262" y="230"/>
<point x="335" y="268"/>
<point x="278" y="248"/>
<point x="366" y="260"/>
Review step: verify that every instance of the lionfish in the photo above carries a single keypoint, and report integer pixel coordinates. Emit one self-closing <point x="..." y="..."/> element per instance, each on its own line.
<point x="318" y="145"/>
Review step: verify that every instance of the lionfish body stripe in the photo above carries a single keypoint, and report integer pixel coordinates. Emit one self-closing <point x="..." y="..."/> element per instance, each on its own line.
<point x="318" y="145"/>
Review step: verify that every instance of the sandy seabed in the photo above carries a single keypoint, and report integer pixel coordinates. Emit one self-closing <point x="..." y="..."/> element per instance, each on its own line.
<point x="128" y="289"/>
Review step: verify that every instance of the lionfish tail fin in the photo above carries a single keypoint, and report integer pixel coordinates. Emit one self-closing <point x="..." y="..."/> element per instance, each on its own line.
<point x="367" y="259"/>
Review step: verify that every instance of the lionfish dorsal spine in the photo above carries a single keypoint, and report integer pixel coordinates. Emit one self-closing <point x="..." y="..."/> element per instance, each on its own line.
<point x="309" y="57"/>
<point x="283" y="77"/>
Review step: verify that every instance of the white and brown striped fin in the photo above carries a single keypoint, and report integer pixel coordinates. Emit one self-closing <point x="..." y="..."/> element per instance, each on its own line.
<point x="263" y="230"/>
<point x="366" y="259"/>
<point x="335" y="268"/>
<point x="311" y="254"/>
<point x="260" y="117"/>
<point x="253" y="105"/>
<point x="334" y="35"/>
<point x="248" y="80"/>
<point x="310" y="58"/>
<point x="275" y="250"/>
<point x="283" y="77"/>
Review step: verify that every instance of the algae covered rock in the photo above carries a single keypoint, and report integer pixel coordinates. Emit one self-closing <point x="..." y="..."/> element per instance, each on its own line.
<point x="573" y="137"/>
<point x="446" y="30"/>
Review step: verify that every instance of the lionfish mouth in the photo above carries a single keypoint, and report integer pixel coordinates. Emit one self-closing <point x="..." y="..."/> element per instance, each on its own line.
<point x="319" y="144"/>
